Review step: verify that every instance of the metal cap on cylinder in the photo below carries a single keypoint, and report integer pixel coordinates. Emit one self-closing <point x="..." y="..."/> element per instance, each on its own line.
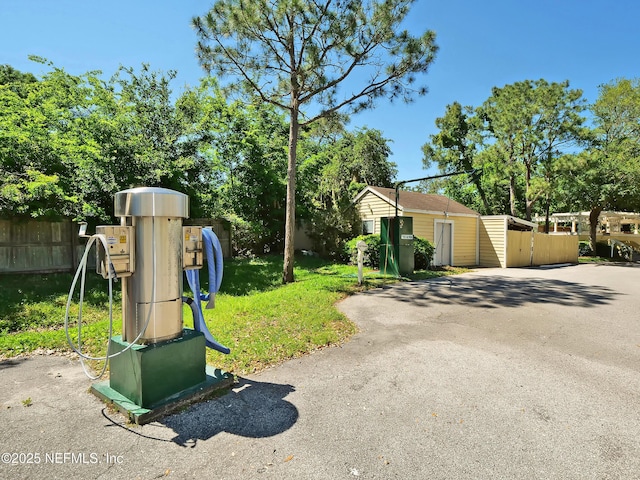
<point x="151" y="202"/>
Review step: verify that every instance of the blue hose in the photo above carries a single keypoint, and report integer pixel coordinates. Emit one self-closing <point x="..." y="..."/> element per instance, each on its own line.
<point x="213" y="250"/>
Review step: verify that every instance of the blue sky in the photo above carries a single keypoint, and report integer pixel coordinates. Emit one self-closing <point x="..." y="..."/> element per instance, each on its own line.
<point x="483" y="43"/>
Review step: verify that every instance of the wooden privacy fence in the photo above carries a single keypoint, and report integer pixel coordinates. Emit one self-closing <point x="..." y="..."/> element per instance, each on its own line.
<point x="532" y="249"/>
<point x="30" y="246"/>
<point x="549" y="249"/>
<point x="518" y="248"/>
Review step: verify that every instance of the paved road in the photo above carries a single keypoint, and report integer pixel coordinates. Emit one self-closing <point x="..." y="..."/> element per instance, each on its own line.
<point x="495" y="374"/>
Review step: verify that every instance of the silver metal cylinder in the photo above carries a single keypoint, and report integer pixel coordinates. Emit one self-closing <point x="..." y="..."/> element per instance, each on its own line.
<point x="153" y="292"/>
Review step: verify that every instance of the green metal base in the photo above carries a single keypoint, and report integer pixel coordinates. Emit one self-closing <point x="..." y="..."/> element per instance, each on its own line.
<point x="147" y="374"/>
<point x="148" y="381"/>
<point x="216" y="380"/>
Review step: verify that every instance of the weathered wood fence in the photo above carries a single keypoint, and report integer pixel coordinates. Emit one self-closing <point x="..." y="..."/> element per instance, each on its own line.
<point x="30" y="246"/>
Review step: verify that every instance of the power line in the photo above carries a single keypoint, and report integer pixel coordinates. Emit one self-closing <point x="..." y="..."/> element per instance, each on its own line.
<point x="432" y="177"/>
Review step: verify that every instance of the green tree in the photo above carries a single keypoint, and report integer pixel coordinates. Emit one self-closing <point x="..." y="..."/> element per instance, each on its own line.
<point x="514" y="139"/>
<point x="39" y="144"/>
<point x="147" y="138"/>
<point x="531" y="123"/>
<point x="333" y="178"/>
<point x="244" y="147"/>
<point x="607" y="174"/>
<point x="15" y="78"/>
<point x="256" y="188"/>
<point x="454" y="148"/>
<point x="297" y="54"/>
<point x="68" y="143"/>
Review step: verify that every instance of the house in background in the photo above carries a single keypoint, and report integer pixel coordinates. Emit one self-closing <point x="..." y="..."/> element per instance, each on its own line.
<point x="612" y="228"/>
<point x="450" y="226"/>
<point x="609" y="223"/>
<point x="461" y="236"/>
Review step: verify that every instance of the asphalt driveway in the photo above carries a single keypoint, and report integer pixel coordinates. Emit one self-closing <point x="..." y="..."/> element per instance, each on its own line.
<point x="513" y="374"/>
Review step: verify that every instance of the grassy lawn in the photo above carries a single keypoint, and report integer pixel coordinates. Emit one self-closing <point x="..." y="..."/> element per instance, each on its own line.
<point x="596" y="259"/>
<point x="262" y="321"/>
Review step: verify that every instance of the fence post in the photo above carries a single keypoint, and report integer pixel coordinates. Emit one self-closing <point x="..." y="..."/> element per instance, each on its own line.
<point x="74" y="247"/>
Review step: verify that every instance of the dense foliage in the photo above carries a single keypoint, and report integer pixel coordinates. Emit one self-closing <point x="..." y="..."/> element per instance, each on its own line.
<point x="68" y="143"/>
<point x="606" y="174"/>
<point x="333" y="176"/>
<point x="532" y="151"/>
<point x="372" y="254"/>
<point x="514" y="141"/>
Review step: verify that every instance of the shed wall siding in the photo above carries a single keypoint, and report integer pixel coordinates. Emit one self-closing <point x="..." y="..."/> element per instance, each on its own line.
<point x="371" y="207"/>
<point x="523" y="248"/>
<point x="464" y="235"/>
<point x="465" y="241"/>
<point x="423" y="226"/>
<point x="492" y="242"/>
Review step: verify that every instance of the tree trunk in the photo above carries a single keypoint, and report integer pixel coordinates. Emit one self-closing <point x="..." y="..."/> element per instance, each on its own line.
<point x="477" y="181"/>
<point x="593" y="223"/>
<point x="528" y="203"/>
<point x="546" y="214"/>
<point x="512" y="195"/>
<point x="528" y="210"/>
<point x="483" y="197"/>
<point x="290" y="213"/>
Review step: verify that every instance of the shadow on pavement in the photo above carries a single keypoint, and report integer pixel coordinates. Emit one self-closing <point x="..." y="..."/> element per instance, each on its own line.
<point x="497" y="291"/>
<point x="11" y="362"/>
<point x="252" y="409"/>
<point x="619" y="264"/>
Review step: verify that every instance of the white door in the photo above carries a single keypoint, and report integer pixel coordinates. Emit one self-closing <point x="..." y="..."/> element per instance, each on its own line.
<point x="444" y="243"/>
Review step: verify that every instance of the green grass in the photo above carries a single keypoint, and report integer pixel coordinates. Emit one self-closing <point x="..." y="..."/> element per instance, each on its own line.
<point x="261" y="320"/>
<point x="32" y="309"/>
<point x="597" y="259"/>
<point x="437" y="272"/>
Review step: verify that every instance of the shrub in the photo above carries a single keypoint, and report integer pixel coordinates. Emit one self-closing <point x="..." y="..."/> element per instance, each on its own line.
<point x="245" y="237"/>
<point x="584" y="249"/>
<point x="603" y="249"/>
<point x="252" y="238"/>
<point x="371" y="256"/>
<point x="423" y="252"/>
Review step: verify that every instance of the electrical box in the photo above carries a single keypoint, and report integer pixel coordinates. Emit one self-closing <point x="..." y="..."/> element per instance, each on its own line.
<point x="396" y="245"/>
<point x="191" y="248"/>
<point x="120" y="243"/>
